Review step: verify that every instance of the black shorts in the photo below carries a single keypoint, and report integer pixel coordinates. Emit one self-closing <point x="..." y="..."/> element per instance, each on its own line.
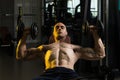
<point x="58" y="73"/>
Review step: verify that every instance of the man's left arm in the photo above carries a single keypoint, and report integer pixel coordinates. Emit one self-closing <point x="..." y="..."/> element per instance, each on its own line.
<point x="96" y="53"/>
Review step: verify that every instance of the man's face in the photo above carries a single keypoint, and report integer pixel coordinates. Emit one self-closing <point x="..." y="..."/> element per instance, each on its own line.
<point x="60" y="30"/>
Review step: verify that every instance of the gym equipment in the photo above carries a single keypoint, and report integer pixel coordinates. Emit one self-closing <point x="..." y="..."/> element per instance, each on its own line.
<point x="99" y="27"/>
<point x="34" y="30"/>
<point x="21" y="29"/>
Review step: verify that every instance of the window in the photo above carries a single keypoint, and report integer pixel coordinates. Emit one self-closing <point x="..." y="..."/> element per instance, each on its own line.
<point x="94" y="7"/>
<point x="73" y="3"/>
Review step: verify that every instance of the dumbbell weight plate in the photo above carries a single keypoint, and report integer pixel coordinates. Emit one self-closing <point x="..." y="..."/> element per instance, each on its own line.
<point x="85" y="28"/>
<point x="34" y="30"/>
<point x="20" y="29"/>
<point x="100" y="27"/>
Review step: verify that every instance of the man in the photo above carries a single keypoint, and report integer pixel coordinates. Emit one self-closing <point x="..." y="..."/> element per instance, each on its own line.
<point x="60" y="56"/>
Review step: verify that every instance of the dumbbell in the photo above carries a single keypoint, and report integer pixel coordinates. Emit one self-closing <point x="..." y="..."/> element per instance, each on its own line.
<point x="85" y="28"/>
<point x="21" y="29"/>
<point x="99" y="27"/>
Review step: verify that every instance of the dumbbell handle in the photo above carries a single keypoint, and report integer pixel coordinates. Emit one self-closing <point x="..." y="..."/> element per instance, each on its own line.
<point x="27" y="31"/>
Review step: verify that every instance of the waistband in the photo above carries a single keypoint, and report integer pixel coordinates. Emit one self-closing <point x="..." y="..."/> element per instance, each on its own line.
<point x="60" y="69"/>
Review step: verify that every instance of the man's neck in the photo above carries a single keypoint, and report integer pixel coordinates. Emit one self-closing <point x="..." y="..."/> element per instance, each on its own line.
<point x="60" y="39"/>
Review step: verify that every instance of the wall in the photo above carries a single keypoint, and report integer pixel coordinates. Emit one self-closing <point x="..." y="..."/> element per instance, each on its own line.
<point x="7" y="14"/>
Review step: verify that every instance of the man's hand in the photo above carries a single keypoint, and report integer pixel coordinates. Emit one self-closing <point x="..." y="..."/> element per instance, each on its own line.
<point x="26" y="31"/>
<point x="93" y="29"/>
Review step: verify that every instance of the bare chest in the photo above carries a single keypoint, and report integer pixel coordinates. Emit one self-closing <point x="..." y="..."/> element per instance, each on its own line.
<point x="60" y="52"/>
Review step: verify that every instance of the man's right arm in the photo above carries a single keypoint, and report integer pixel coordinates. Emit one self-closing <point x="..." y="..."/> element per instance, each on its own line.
<point x="26" y="54"/>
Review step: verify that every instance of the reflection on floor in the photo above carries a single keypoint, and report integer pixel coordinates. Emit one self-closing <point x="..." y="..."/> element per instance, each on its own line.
<point x="11" y="69"/>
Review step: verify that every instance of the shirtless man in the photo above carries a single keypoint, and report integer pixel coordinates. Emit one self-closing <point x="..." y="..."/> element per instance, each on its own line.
<point x="60" y="56"/>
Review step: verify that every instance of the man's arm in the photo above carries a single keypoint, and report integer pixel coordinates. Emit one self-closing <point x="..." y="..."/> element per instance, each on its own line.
<point x="26" y="54"/>
<point x="96" y="53"/>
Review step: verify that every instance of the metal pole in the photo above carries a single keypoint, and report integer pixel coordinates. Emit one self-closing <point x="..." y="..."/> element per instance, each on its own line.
<point x="99" y="9"/>
<point x="99" y="18"/>
<point x="106" y="31"/>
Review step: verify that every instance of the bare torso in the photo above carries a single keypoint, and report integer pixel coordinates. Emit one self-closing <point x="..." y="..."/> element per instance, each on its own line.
<point x="60" y="54"/>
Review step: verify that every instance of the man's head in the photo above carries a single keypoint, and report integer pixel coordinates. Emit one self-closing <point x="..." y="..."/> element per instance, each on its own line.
<point x="60" y="30"/>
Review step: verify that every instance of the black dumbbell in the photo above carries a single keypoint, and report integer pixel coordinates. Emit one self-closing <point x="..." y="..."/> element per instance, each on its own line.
<point x="21" y="28"/>
<point x="99" y="27"/>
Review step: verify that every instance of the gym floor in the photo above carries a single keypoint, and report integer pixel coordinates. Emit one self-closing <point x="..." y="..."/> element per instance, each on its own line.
<point x="11" y="69"/>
